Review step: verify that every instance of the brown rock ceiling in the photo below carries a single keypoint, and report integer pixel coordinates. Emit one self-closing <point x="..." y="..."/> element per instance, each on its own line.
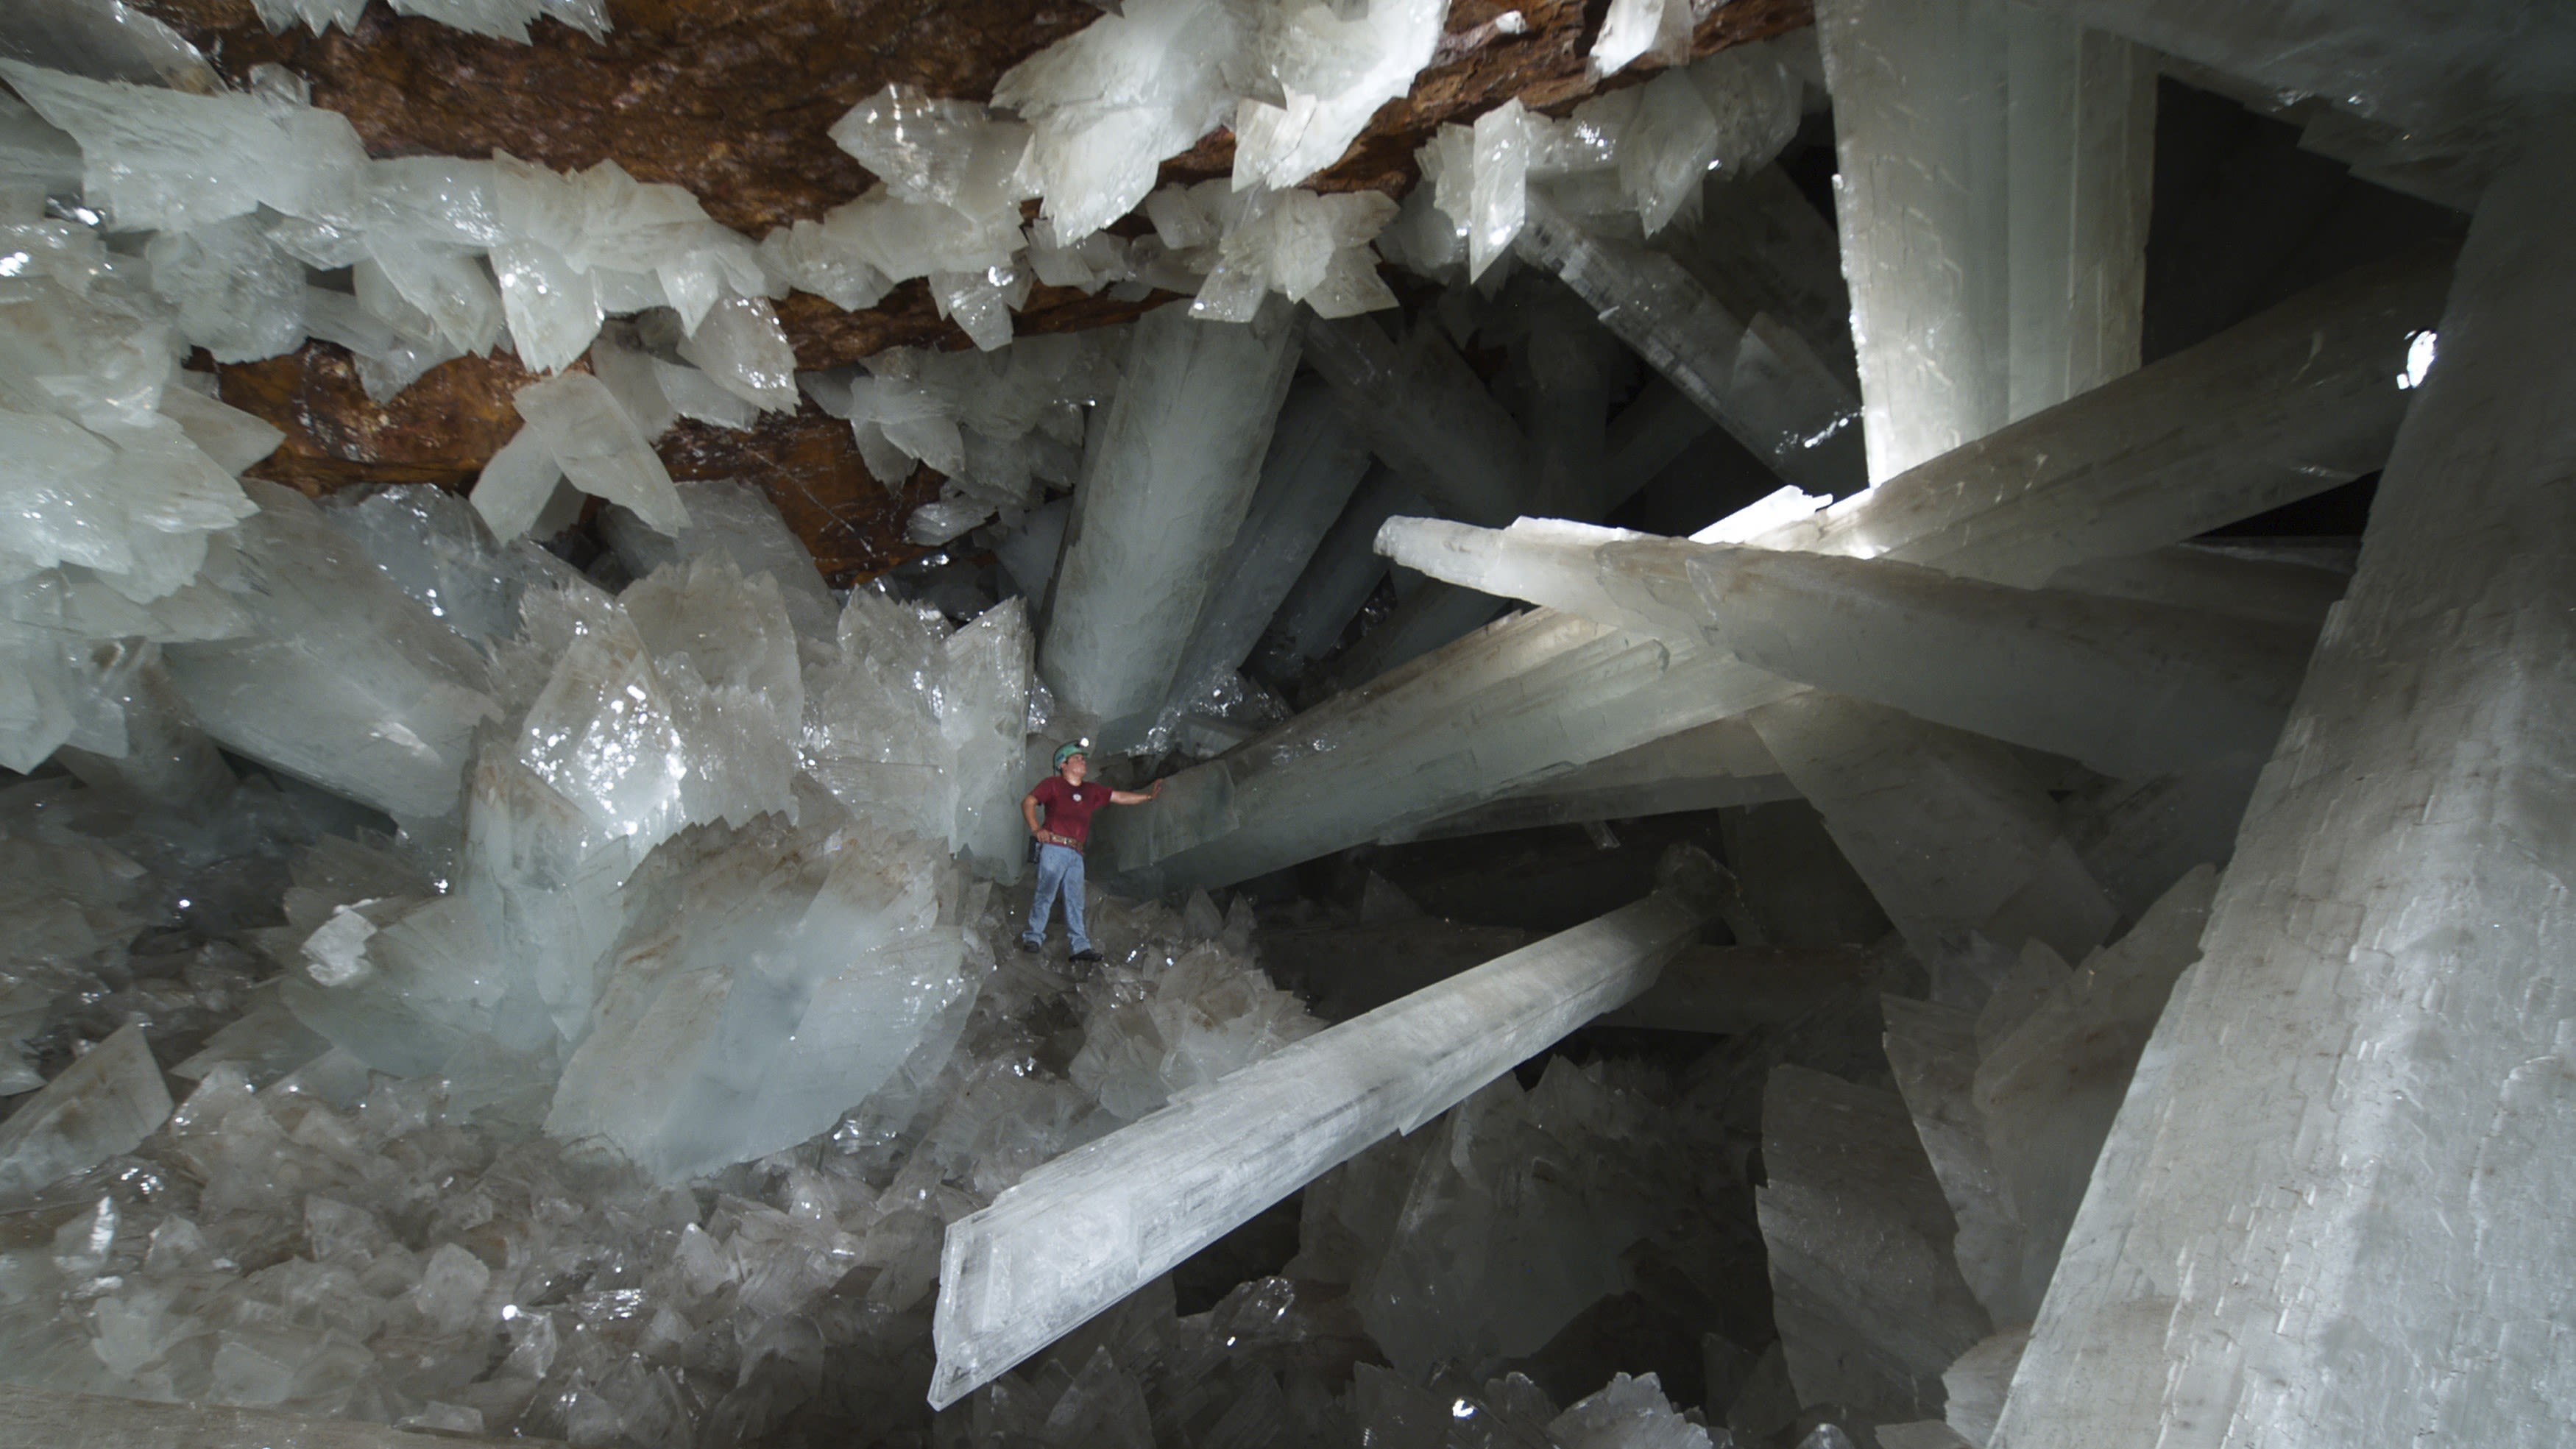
<point x="732" y="99"/>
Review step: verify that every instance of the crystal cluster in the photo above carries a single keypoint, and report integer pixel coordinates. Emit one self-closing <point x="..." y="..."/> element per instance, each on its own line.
<point x="1639" y="154"/>
<point x="997" y="425"/>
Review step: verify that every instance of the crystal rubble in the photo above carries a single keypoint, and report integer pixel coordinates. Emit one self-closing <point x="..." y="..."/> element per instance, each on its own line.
<point x="2133" y="689"/>
<point x="1165" y="487"/>
<point x="102" y="1105"/>
<point x="1997" y="165"/>
<point x="1315" y="463"/>
<point x="2290" y="402"/>
<point x="1870" y="1305"/>
<point x="352" y="1245"/>
<point x="2392" y="889"/>
<point x="1082" y="1232"/>
<point x="1758" y="379"/>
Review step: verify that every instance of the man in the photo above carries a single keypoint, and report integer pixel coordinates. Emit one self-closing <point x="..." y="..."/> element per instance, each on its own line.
<point x="1061" y="833"/>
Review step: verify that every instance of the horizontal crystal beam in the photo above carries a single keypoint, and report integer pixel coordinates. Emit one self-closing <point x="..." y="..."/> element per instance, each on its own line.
<point x="2287" y="404"/>
<point x="1729" y="990"/>
<point x="1083" y="1231"/>
<point x="1708" y="768"/>
<point x="2130" y="687"/>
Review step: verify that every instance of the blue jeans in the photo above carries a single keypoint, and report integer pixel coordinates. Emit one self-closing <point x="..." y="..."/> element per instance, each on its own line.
<point x="1059" y="870"/>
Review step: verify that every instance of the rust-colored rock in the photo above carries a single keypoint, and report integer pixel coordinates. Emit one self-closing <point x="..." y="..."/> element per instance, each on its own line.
<point x="808" y="466"/>
<point x="732" y="99"/>
<point x="442" y="429"/>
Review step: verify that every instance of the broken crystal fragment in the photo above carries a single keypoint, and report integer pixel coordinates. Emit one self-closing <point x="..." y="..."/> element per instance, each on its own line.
<point x="105" y="1103"/>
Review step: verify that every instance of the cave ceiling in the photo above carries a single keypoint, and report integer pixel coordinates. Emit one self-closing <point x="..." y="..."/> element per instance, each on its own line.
<point x="732" y="99"/>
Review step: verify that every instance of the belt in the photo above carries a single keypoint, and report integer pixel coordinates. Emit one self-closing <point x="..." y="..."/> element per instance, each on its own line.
<point x="1049" y="837"/>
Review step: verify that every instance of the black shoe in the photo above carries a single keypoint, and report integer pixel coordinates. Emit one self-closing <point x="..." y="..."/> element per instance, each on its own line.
<point x="1029" y="947"/>
<point x="1088" y="958"/>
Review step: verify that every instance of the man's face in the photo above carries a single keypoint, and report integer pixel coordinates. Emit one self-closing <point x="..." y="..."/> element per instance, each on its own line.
<point x="1075" y="768"/>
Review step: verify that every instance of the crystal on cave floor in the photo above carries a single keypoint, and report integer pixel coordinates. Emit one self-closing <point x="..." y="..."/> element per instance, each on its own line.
<point x="1996" y="165"/>
<point x="2293" y="401"/>
<point x="1080" y="1233"/>
<point x="2403" y="997"/>
<point x="1165" y="487"/>
<point x="105" y="1103"/>
<point x="1758" y="379"/>
<point x="1871" y="1307"/>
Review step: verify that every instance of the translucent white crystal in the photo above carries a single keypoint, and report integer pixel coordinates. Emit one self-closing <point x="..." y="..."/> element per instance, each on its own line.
<point x="552" y="306"/>
<point x="105" y="1103"/>
<point x="343" y="679"/>
<point x="1081" y="1232"/>
<point x="1333" y="69"/>
<point x="1870" y="1306"/>
<point x="754" y="1021"/>
<point x="2394" y="991"/>
<point x="736" y="519"/>
<point x="744" y="351"/>
<point x="1758" y="380"/>
<point x="1425" y="412"/>
<point x="598" y="447"/>
<point x="2029" y="169"/>
<point x="1314" y="463"/>
<point x="169" y="160"/>
<point x="1660" y="29"/>
<point x="1952" y="834"/>
<point x="1164" y="488"/>
<point x="238" y="297"/>
<point x="515" y="483"/>
<point x="1111" y="101"/>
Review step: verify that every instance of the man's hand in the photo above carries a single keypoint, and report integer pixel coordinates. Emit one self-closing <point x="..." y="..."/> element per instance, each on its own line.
<point x="1135" y="797"/>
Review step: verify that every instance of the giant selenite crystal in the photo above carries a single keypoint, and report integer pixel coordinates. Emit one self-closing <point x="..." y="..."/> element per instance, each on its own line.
<point x="1993" y="196"/>
<point x="2132" y="688"/>
<point x="1166" y="485"/>
<point x="1756" y="377"/>
<point x="1870" y="1306"/>
<point x="2295" y="400"/>
<point x="2328" y="1205"/>
<point x="103" y="1104"/>
<point x="1085" y="1230"/>
<point x="343" y="679"/>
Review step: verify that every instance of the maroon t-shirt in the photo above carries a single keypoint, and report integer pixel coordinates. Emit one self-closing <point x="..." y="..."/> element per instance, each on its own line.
<point x="1066" y="809"/>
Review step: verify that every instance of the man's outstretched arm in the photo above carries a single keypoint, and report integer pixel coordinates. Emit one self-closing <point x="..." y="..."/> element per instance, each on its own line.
<point x="1133" y="797"/>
